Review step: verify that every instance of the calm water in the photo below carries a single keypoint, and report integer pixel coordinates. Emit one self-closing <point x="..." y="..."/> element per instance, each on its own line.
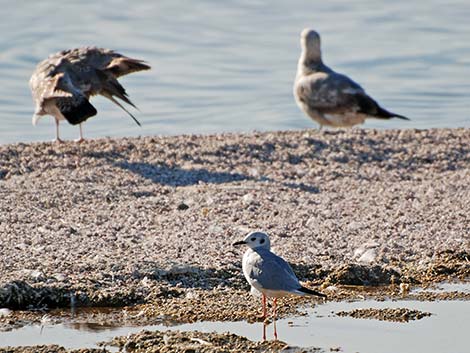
<point x="445" y="331"/>
<point x="229" y="65"/>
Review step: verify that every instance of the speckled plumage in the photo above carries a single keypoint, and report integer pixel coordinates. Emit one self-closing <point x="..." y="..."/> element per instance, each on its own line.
<point x="328" y="97"/>
<point x="62" y="84"/>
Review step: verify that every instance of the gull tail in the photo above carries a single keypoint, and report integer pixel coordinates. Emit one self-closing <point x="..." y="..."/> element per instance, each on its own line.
<point x="311" y="292"/>
<point x="369" y="106"/>
<point x="385" y="114"/>
<point x="75" y="109"/>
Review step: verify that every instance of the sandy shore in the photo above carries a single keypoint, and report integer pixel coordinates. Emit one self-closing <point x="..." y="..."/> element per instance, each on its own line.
<point x="151" y="220"/>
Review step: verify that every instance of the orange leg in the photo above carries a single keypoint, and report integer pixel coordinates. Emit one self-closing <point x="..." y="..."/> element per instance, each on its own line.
<point x="263" y="301"/>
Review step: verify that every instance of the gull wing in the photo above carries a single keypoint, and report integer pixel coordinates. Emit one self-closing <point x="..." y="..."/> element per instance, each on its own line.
<point x="329" y="92"/>
<point x="273" y="272"/>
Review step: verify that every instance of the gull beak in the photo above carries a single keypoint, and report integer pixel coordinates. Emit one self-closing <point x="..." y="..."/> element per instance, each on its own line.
<point x="239" y="243"/>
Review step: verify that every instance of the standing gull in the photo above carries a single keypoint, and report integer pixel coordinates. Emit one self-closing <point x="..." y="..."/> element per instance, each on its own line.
<point x="62" y="84"/>
<point x="268" y="273"/>
<point x="328" y="97"/>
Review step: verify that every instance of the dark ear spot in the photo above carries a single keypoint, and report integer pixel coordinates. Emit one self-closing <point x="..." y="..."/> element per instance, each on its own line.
<point x="261" y="241"/>
<point x="253" y="239"/>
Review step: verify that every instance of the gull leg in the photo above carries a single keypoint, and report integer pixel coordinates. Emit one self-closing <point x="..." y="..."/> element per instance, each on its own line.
<point x="57" y="138"/>
<point x="275" y="330"/>
<point x="274" y="317"/>
<point x="263" y="300"/>
<point x="274" y="308"/>
<point x="264" y="330"/>
<point x="80" y="139"/>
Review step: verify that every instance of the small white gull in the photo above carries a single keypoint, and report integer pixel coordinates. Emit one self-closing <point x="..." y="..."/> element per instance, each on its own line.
<point x="63" y="83"/>
<point x="268" y="273"/>
<point x="328" y="97"/>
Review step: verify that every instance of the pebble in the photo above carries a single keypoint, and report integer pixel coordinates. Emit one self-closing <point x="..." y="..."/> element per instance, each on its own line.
<point x="248" y="199"/>
<point x="368" y="256"/>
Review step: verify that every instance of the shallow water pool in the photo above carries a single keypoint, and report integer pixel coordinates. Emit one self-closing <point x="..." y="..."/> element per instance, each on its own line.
<point x="444" y="331"/>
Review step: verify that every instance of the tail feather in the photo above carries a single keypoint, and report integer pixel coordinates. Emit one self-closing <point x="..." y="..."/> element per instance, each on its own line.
<point x="385" y="114"/>
<point x="369" y="106"/>
<point x="75" y="109"/>
<point x="111" y="98"/>
<point x="311" y="292"/>
<point x="110" y="86"/>
<point x="114" y="88"/>
<point x="400" y="117"/>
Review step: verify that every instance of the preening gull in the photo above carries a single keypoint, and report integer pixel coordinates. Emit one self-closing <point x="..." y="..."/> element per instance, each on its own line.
<point x="268" y="273"/>
<point x="62" y="84"/>
<point x="328" y="97"/>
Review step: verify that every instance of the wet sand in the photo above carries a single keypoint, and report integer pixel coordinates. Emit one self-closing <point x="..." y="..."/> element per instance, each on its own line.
<point x="149" y="222"/>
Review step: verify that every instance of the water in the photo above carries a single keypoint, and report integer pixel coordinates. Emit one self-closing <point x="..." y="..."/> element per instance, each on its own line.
<point x="445" y="287"/>
<point x="445" y="331"/>
<point x="229" y="66"/>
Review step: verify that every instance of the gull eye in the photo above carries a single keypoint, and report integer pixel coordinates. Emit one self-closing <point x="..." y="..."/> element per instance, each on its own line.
<point x="261" y="241"/>
<point x="253" y="239"/>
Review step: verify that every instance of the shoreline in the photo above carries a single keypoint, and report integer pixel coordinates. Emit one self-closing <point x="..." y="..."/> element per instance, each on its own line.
<point x="149" y="222"/>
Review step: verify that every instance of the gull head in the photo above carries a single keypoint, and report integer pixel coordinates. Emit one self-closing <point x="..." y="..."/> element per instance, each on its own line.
<point x="256" y="240"/>
<point x="310" y="42"/>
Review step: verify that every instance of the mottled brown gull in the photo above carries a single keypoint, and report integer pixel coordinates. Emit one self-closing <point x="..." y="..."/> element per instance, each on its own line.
<point x="328" y="97"/>
<point x="62" y="84"/>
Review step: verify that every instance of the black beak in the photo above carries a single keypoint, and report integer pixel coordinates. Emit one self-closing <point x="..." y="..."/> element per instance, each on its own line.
<point x="239" y="243"/>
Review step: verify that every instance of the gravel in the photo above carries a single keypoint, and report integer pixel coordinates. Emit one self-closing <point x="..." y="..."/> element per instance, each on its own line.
<point x="174" y="341"/>
<point x="387" y="314"/>
<point x="122" y="221"/>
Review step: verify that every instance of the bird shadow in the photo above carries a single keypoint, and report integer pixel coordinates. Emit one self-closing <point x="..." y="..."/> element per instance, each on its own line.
<point x="162" y="173"/>
<point x="174" y="175"/>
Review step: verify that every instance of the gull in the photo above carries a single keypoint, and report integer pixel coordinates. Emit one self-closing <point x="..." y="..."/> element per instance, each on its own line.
<point x="268" y="273"/>
<point x="328" y="97"/>
<point x="62" y="84"/>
